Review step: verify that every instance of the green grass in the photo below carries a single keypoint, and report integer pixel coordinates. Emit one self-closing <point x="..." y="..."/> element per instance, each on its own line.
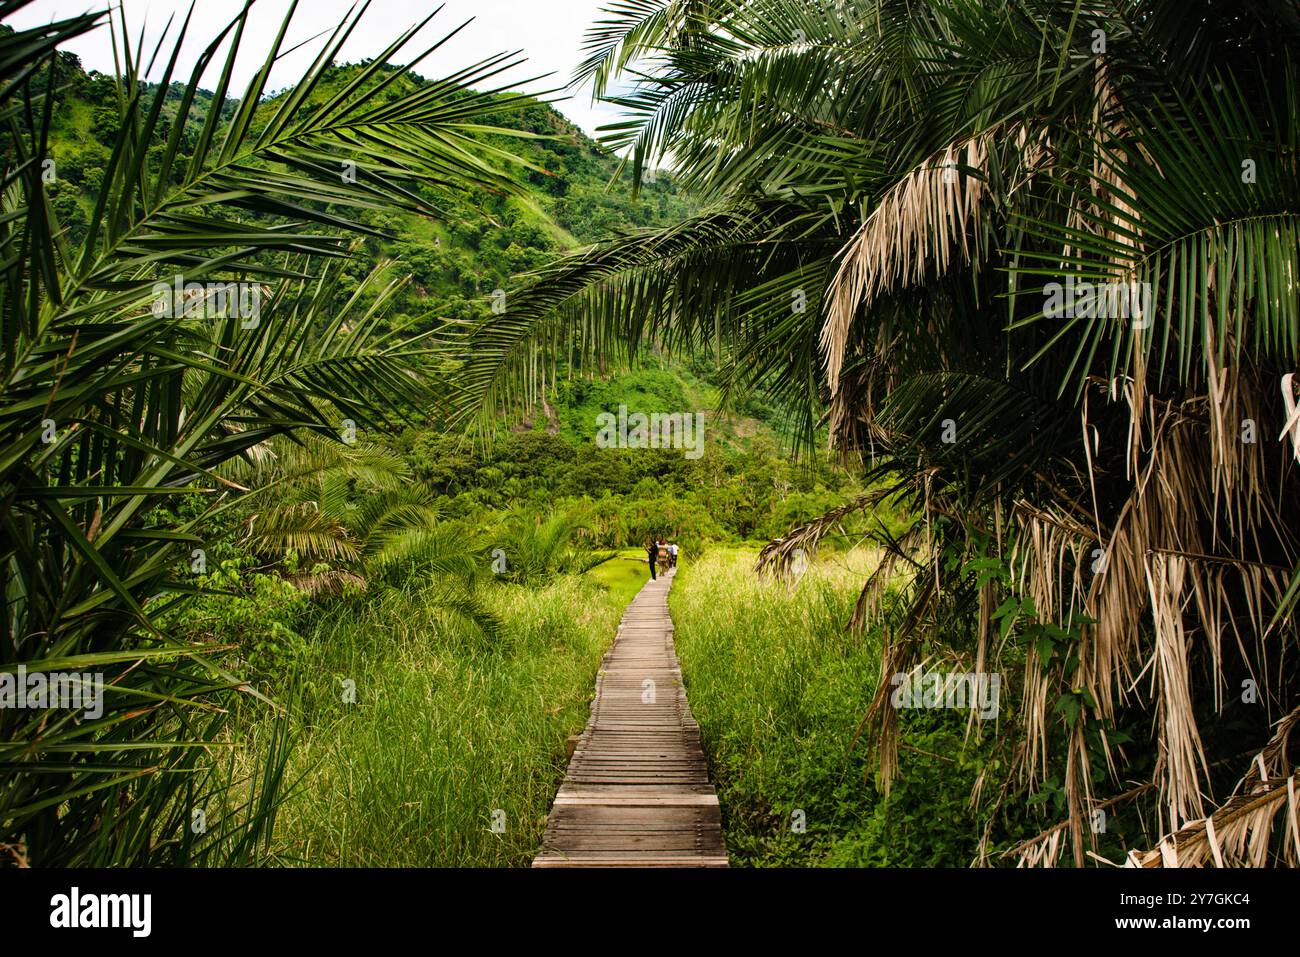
<point x="779" y="688"/>
<point x="623" y="575"/>
<point x="448" y="727"/>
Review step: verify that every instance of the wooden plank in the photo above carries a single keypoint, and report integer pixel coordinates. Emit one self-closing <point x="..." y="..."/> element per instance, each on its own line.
<point x="618" y="859"/>
<point x="695" y="800"/>
<point x="637" y="790"/>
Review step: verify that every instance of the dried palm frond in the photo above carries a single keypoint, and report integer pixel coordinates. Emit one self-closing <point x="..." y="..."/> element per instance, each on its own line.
<point x="1182" y="754"/>
<point x="1044" y="849"/>
<point x="896" y="657"/>
<point x="1047" y="559"/>
<point x="1274" y="759"/>
<point x="915" y="230"/>
<point x="1043" y="853"/>
<point x="1292" y="427"/>
<point x="1239" y="834"/>
<point x="329" y="584"/>
<point x="871" y="598"/>
<point x="780" y="554"/>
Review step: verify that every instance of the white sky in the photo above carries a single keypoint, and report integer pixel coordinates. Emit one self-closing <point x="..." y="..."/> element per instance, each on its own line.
<point x="548" y="32"/>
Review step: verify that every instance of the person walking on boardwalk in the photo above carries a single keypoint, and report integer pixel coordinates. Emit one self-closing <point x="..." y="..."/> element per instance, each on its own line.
<point x="652" y="552"/>
<point x="672" y="555"/>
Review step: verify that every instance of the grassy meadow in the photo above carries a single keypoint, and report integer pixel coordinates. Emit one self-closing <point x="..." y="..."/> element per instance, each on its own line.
<point x="779" y="688"/>
<point x="448" y="725"/>
<point x="421" y="737"/>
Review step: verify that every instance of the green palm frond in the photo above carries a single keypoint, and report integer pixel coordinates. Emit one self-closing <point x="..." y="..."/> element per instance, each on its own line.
<point x="1203" y="210"/>
<point x="417" y="545"/>
<point x="304" y="529"/>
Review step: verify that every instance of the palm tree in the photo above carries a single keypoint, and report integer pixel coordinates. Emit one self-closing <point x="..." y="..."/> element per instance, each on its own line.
<point x="900" y="197"/>
<point x="121" y="404"/>
<point x="336" y="518"/>
<point x="537" y="548"/>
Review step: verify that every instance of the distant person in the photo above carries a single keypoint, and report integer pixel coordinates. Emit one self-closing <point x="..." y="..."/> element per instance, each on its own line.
<point x="652" y="552"/>
<point x="672" y="555"/>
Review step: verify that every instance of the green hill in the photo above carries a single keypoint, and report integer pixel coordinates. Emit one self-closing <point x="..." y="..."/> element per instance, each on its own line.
<point x="572" y="193"/>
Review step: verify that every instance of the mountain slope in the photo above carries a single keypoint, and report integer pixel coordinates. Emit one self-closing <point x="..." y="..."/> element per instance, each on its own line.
<point x="466" y="247"/>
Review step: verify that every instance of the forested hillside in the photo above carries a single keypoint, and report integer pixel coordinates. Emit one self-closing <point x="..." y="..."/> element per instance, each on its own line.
<point x="477" y="244"/>
<point x="458" y="252"/>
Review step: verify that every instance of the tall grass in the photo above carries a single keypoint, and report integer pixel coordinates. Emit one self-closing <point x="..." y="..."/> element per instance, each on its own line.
<point x="448" y="726"/>
<point x="779" y="688"/>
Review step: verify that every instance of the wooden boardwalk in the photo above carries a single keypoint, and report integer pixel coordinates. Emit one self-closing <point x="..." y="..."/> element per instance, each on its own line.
<point x="637" y="792"/>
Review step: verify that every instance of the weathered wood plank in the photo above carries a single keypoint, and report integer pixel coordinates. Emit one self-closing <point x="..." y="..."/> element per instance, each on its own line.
<point x="619" y="859"/>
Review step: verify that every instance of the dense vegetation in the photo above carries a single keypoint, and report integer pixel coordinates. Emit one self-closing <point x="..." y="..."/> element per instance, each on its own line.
<point x="457" y="248"/>
<point x="119" y="416"/>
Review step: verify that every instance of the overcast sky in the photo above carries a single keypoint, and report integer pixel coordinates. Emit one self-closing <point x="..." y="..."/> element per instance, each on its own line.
<point x="548" y="32"/>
